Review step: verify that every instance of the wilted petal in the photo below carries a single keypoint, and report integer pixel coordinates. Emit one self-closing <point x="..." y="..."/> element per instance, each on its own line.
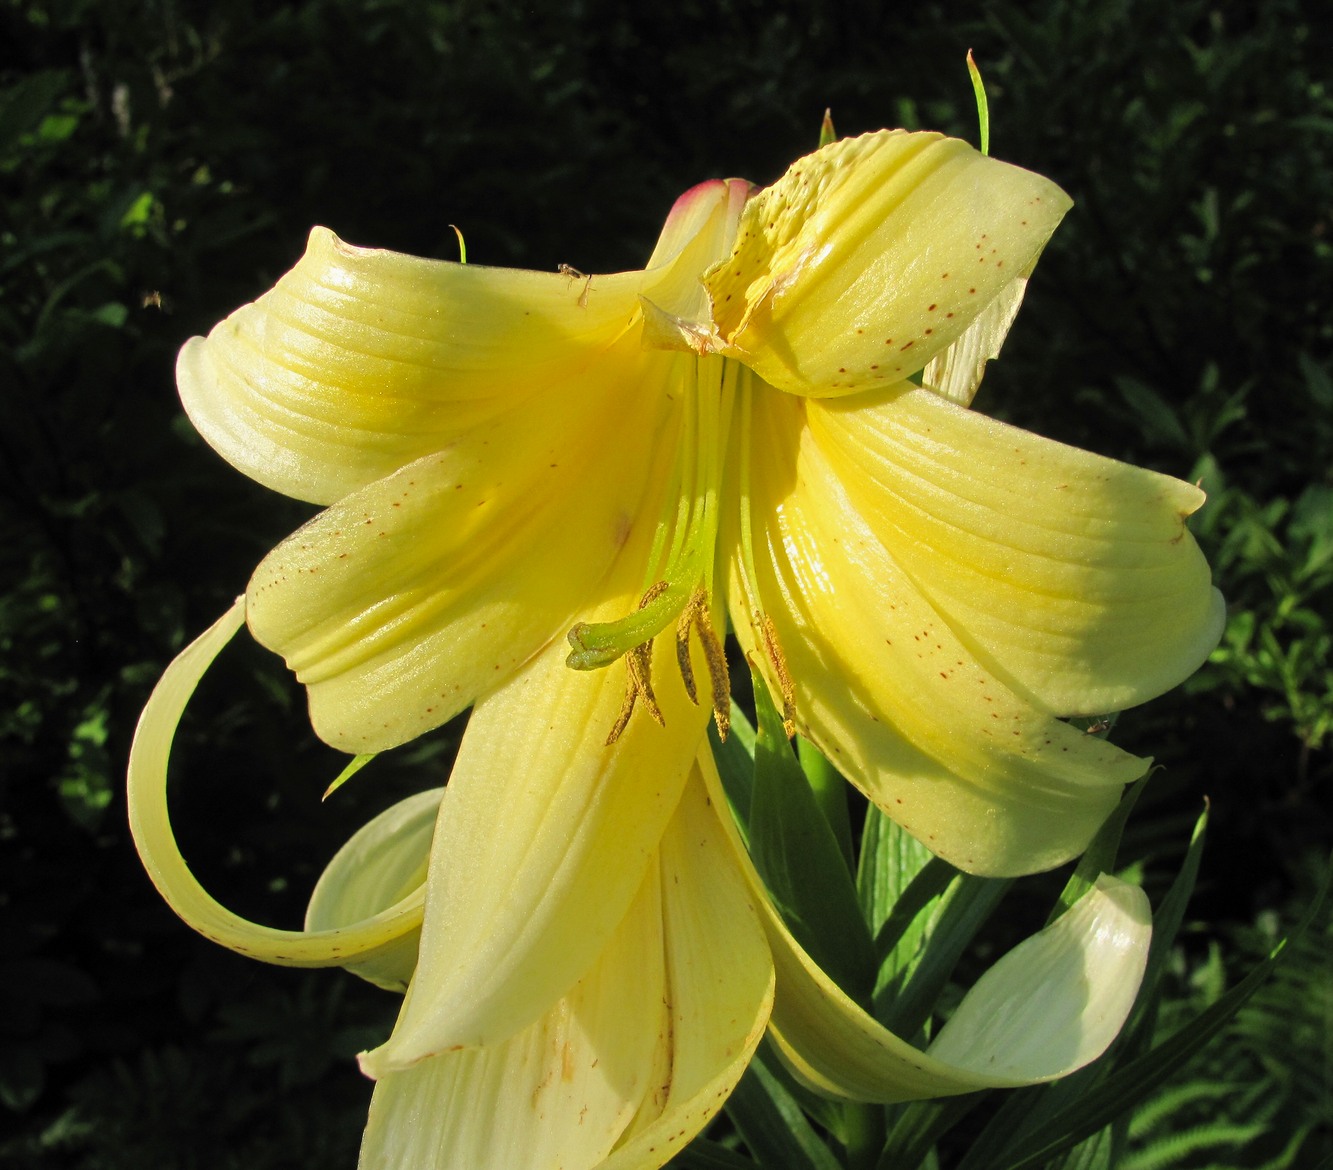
<point x="1071" y="576"/>
<point x="1083" y="971"/>
<point x="383" y="862"/>
<point x="719" y="980"/>
<point x="544" y="835"/>
<point x="365" y="940"/>
<point x="406" y="600"/>
<point x="560" y="1092"/>
<point x="872" y="256"/>
<point x="887" y="689"/>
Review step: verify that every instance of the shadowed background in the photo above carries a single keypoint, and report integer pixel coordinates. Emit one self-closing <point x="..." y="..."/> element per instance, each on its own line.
<point x="161" y="163"/>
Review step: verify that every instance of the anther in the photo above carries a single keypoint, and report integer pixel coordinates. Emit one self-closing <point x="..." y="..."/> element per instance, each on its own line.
<point x="773" y="648"/>
<point x="639" y="669"/>
<point x="696" y="615"/>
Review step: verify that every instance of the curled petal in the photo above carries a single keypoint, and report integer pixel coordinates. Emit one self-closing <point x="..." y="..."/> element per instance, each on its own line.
<point x="1058" y="999"/>
<point x="361" y="361"/>
<point x="365" y="940"/>
<point x="1073" y="577"/>
<point x="957" y="371"/>
<point x="1071" y="986"/>
<point x="382" y="862"/>
<point x="890" y="691"/>
<point x="872" y="256"/>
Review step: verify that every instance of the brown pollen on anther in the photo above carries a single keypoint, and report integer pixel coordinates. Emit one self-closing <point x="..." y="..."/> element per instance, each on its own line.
<point x="773" y="648"/>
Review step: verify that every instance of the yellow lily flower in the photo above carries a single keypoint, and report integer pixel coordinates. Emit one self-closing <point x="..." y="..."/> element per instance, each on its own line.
<point x="769" y="421"/>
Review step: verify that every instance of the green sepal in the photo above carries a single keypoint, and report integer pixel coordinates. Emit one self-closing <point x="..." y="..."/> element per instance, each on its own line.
<point x="796" y="853"/>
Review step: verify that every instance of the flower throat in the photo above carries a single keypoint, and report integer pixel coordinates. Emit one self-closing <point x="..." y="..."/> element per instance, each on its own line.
<point x="681" y="574"/>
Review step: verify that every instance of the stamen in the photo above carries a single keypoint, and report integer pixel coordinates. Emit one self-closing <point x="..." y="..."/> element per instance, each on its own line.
<point x="640" y="664"/>
<point x="681" y="564"/>
<point x="779" y="662"/>
<point x="696" y="615"/>
<point x="639" y="672"/>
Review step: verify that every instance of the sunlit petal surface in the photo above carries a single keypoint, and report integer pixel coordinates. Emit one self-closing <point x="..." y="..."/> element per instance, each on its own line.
<point x="408" y="599"/>
<point x="871" y="256"/>
<point x="360" y="361"/>
<point x="1071" y="576"/>
<point x="890" y="692"/>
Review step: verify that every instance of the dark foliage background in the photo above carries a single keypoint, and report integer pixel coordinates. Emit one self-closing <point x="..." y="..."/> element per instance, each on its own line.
<point x="161" y="162"/>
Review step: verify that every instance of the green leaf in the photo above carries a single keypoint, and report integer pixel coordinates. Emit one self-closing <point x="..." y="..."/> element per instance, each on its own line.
<point x="735" y="767"/>
<point x="798" y="856"/>
<point x="891" y="858"/>
<point x="905" y="1005"/>
<point x="1100" y="855"/>
<point x="772" y="1124"/>
<point x="702" y="1154"/>
<point x="920" y="1125"/>
<point x="830" y="791"/>
<point x="23" y="105"/>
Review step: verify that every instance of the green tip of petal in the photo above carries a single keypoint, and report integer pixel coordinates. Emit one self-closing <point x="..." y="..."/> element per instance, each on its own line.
<point x="827" y="134"/>
<point x="348" y="772"/>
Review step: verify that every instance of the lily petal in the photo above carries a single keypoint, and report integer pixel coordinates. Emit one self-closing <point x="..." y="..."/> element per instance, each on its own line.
<point x="361" y="360"/>
<point x="382" y="862"/>
<point x="1071" y="576"/>
<point x="408" y="599"/>
<point x="367" y="939"/>
<point x="1084" y="971"/>
<point x="543" y="838"/>
<point x="559" y="1093"/>
<point x="719" y="979"/>
<point x="884" y="686"/>
<point x="957" y="371"/>
<point x="873" y="255"/>
<point x="1058" y="999"/>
